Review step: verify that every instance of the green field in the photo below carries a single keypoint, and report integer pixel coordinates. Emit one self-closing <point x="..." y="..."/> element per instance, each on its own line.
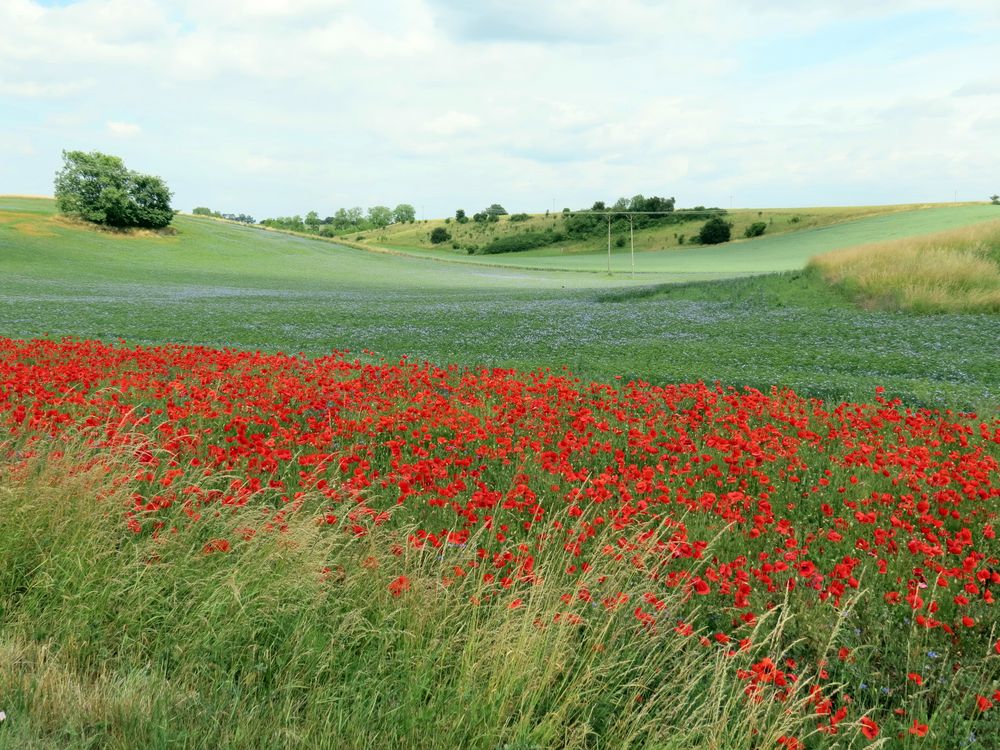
<point x="219" y="284"/>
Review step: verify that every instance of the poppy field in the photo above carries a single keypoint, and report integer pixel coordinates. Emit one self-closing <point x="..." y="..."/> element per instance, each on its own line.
<point x="829" y="572"/>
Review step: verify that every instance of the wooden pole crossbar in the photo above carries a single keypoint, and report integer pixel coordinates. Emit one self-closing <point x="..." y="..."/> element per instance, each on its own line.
<point x="631" y="229"/>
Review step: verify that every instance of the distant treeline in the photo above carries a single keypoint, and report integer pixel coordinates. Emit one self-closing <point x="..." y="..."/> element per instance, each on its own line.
<point x="345" y="220"/>
<point x="593" y="222"/>
<point x="242" y="218"/>
<point x="574" y="225"/>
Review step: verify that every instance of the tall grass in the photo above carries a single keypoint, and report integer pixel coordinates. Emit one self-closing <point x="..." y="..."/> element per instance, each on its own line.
<point x="953" y="271"/>
<point x="293" y="639"/>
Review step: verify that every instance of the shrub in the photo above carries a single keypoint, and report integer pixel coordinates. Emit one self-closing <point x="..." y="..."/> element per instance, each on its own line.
<point x="519" y="217"/>
<point x="524" y="241"/>
<point x="995" y="200"/>
<point x="439" y="235"/>
<point x="715" y="231"/>
<point x="755" y="230"/>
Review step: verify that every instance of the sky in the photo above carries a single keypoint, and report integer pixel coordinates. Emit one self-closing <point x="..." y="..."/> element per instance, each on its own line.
<point x="278" y="107"/>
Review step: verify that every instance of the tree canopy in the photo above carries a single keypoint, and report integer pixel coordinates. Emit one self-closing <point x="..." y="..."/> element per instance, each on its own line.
<point x="380" y="216"/>
<point x="99" y="188"/>
<point x="404" y="212"/>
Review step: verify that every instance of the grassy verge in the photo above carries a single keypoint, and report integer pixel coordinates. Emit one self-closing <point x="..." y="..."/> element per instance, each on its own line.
<point x="955" y="271"/>
<point x="295" y="640"/>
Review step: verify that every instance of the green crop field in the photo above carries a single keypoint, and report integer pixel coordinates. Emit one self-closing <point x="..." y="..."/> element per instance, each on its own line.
<point x="225" y="285"/>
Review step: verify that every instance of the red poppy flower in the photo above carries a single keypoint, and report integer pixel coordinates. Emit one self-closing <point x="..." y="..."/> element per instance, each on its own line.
<point x="399" y="585"/>
<point x="216" y="545"/>
<point x="869" y="728"/>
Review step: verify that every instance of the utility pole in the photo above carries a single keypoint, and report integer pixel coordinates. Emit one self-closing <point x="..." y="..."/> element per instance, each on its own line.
<point x="609" y="244"/>
<point x="631" y="239"/>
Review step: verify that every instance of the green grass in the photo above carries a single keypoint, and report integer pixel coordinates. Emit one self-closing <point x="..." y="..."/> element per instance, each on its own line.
<point x="218" y="284"/>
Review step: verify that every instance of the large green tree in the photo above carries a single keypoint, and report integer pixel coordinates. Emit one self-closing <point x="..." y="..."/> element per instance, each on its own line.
<point x="380" y="216"/>
<point x="403" y="213"/>
<point x="99" y="188"/>
<point x="149" y="201"/>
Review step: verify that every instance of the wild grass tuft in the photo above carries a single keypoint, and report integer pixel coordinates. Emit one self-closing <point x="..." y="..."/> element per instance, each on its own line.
<point x="954" y="271"/>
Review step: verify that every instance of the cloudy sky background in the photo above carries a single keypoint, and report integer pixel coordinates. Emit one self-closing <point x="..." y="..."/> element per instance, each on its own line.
<point x="277" y="107"/>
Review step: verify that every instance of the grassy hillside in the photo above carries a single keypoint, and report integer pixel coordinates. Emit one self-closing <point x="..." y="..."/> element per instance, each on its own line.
<point x="40" y="245"/>
<point x="220" y="284"/>
<point x="779" y="221"/>
<point x="785" y="251"/>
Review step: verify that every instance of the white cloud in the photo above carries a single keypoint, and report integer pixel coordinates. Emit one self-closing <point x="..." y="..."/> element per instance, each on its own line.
<point x="984" y="87"/>
<point x="41" y="89"/>
<point x="16" y="144"/>
<point x="289" y="104"/>
<point x="243" y="13"/>
<point x="452" y="123"/>
<point x="123" y="129"/>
